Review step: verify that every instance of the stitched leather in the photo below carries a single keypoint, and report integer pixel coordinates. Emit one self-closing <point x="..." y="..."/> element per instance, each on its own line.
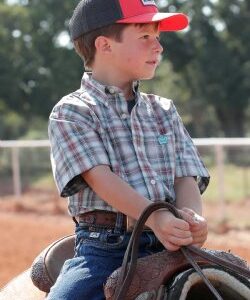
<point x="122" y="284"/>
<point x="106" y="219"/>
<point x="47" y="265"/>
<point x="100" y="218"/>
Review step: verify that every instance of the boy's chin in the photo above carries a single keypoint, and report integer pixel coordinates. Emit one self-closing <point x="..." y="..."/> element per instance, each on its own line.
<point x="147" y="77"/>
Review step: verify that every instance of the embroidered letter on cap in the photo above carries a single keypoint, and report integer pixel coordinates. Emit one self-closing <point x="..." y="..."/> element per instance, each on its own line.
<point x="148" y="2"/>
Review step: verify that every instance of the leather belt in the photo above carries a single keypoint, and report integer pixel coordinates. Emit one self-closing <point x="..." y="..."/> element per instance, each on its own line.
<point x="106" y="219"/>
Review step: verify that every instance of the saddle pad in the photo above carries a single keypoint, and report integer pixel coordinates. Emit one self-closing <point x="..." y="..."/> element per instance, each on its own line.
<point x="189" y="285"/>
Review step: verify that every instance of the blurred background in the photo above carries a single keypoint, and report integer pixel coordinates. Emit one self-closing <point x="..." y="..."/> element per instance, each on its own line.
<point x="205" y="70"/>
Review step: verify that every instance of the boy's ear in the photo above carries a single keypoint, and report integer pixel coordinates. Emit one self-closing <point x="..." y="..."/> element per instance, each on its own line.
<point x="102" y="44"/>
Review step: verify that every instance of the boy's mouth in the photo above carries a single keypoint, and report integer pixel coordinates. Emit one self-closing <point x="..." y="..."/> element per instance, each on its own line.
<point x="152" y="62"/>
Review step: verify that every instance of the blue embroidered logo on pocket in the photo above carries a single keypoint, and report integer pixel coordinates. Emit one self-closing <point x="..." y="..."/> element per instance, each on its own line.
<point x="162" y="139"/>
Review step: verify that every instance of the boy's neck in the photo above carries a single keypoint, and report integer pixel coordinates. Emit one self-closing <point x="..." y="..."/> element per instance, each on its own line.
<point x="108" y="78"/>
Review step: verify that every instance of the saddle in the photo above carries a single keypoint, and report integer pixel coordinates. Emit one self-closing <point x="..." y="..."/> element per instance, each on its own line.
<point x="190" y="273"/>
<point x="182" y="274"/>
<point x="47" y="265"/>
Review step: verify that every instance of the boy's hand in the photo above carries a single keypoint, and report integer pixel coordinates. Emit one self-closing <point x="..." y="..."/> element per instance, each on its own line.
<point x="171" y="231"/>
<point x="198" y="226"/>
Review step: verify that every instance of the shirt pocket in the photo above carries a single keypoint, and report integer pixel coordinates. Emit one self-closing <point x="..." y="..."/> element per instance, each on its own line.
<point x="166" y="154"/>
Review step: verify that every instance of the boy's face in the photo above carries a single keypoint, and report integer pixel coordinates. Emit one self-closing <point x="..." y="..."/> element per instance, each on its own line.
<point x="138" y="53"/>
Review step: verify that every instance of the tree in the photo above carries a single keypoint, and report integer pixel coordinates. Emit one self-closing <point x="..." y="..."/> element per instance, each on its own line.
<point x="209" y="65"/>
<point x="35" y="70"/>
<point x="214" y="59"/>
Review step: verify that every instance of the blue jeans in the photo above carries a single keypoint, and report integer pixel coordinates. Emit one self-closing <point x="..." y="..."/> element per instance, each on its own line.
<point x="98" y="252"/>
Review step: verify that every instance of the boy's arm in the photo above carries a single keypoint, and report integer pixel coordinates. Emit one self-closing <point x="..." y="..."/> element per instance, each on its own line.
<point x="188" y="194"/>
<point x="188" y="200"/>
<point x="172" y="232"/>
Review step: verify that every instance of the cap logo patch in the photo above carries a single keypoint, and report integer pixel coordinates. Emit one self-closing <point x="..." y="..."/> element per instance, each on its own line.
<point x="148" y="2"/>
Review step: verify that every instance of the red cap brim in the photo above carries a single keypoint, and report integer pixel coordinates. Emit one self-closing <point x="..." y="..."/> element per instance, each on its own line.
<point x="167" y="21"/>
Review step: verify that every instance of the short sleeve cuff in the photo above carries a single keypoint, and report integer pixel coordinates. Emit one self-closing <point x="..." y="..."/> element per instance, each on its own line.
<point x="202" y="176"/>
<point x="74" y="186"/>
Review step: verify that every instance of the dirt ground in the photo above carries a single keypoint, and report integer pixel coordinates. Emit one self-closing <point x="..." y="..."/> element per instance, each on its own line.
<point x="27" y="226"/>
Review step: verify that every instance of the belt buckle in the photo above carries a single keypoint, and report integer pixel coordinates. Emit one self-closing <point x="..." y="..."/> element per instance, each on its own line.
<point x="130" y="224"/>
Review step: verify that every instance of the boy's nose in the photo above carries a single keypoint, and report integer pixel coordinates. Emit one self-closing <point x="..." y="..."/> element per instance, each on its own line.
<point x="158" y="47"/>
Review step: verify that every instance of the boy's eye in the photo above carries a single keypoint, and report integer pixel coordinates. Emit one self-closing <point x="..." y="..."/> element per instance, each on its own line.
<point x="147" y="36"/>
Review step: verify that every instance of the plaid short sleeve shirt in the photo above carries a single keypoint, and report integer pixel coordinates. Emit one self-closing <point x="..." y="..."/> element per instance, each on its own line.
<point x="147" y="148"/>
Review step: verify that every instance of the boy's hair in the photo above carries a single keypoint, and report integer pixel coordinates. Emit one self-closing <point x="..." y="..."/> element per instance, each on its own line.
<point x="85" y="44"/>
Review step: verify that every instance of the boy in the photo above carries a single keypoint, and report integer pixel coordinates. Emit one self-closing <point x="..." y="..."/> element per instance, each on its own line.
<point x="115" y="149"/>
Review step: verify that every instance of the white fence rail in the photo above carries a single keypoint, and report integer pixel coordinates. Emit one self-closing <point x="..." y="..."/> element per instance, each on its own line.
<point x="217" y="143"/>
<point x="15" y="146"/>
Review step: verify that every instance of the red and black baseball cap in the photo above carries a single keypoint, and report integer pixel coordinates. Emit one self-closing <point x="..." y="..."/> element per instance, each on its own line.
<point x="93" y="14"/>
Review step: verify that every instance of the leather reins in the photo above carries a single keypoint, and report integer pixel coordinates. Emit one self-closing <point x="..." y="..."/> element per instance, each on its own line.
<point x="128" y="267"/>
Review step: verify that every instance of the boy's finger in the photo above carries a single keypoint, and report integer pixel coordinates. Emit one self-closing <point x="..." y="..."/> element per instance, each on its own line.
<point x="190" y="218"/>
<point x="180" y="241"/>
<point x="181" y="233"/>
<point x="188" y="210"/>
<point x="181" y="224"/>
<point x="201" y="227"/>
<point x="169" y="246"/>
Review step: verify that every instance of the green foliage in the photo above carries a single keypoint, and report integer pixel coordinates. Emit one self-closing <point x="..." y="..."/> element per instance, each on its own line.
<point x="205" y="69"/>
<point x="236" y="187"/>
<point x="7" y="120"/>
<point x="35" y="72"/>
<point x="213" y="57"/>
<point x="199" y="122"/>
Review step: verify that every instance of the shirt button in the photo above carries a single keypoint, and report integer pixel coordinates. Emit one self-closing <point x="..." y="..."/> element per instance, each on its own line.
<point x="124" y="116"/>
<point x="111" y="90"/>
<point x="153" y="181"/>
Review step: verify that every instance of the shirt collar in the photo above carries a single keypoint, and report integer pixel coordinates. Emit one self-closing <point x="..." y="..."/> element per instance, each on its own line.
<point x="89" y="82"/>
